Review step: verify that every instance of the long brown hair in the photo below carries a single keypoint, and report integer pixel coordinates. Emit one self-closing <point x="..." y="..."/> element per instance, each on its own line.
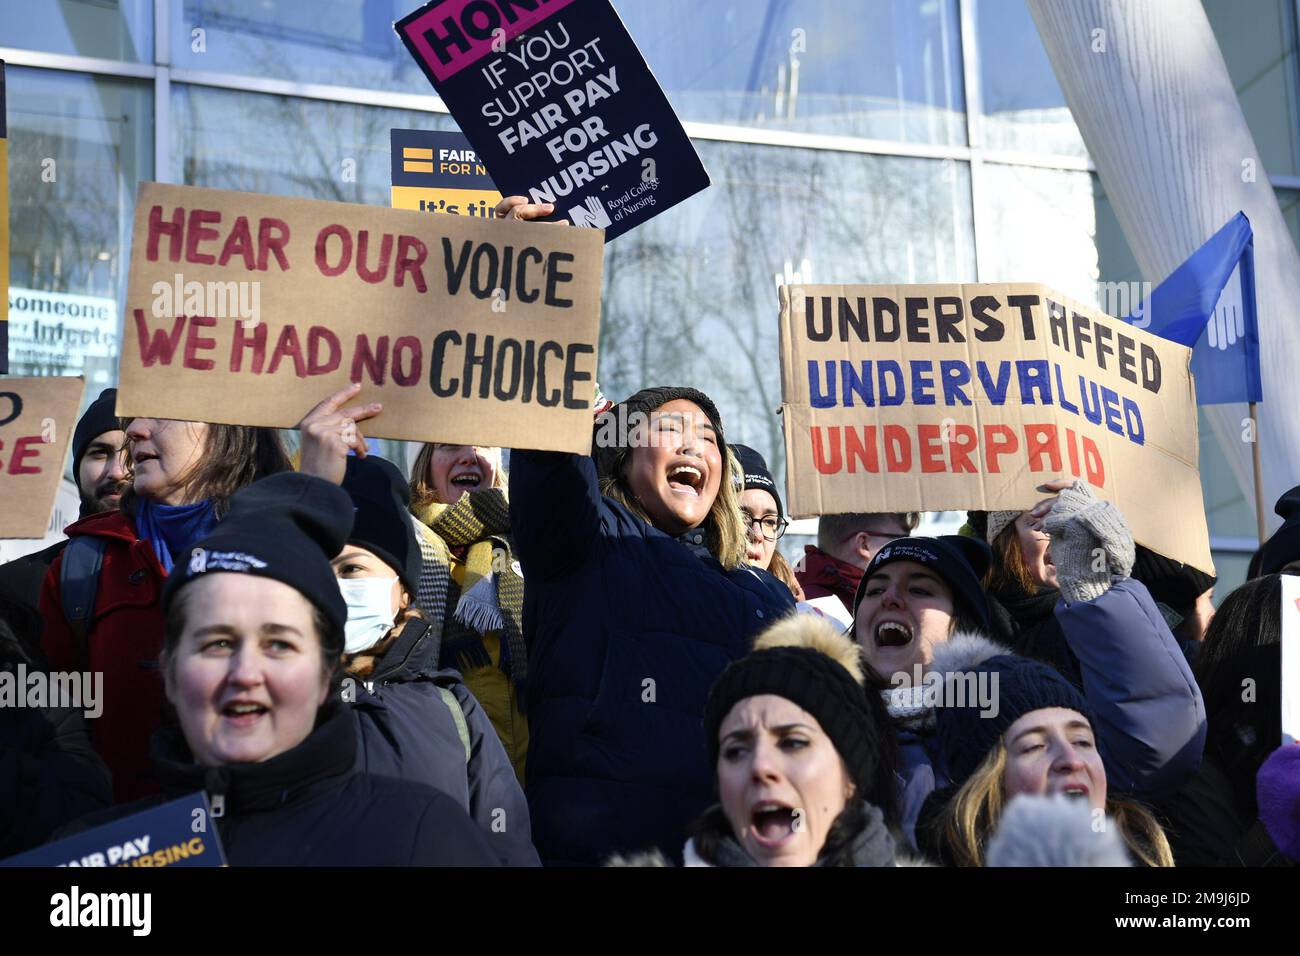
<point x="233" y="457"/>
<point x="973" y="814"/>
<point x="1008" y="575"/>
<point x="781" y="570"/>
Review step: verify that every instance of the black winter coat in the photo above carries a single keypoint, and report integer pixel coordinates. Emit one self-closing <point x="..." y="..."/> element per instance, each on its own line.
<point x="627" y="629"/>
<point x="310" y="806"/>
<point x="409" y="731"/>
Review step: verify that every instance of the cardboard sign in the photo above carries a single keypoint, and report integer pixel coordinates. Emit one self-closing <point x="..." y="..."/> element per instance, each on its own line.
<point x="438" y="171"/>
<point x="557" y="99"/>
<point x="249" y="310"/>
<point x="37" y="418"/>
<point x="1290" y="659"/>
<point x="179" y="833"/>
<point x="947" y="397"/>
<point x="4" y="227"/>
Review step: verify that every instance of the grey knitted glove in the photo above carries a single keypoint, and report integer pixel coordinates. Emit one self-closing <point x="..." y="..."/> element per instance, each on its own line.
<point x="1091" y="543"/>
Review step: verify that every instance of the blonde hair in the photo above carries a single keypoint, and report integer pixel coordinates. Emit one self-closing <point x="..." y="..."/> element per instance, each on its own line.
<point x="972" y="815"/>
<point x="422" y="492"/>
<point x="724" y="528"/>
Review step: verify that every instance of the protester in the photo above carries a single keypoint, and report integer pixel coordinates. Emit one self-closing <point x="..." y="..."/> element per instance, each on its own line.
<point x="99" y="467"/>
<point x="1040" y="741"/>
<point x="829" y="572"/>
<point x="100" y="597"/>
<point x="254" y="638"/>
<point x="1023" y="590"/>
<point x="917" y="593"/>
<point x="764" y="518"/>
<point x="1240" y="675"/>
<point x="802" y="754"/>
<point x="471" y="589"/>
<point x="416" y="722"/>
<point x="49" y="772"/>
<point x="638" y="596"/>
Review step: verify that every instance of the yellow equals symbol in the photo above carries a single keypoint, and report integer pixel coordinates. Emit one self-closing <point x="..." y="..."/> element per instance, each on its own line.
<point x="411" y="156"/>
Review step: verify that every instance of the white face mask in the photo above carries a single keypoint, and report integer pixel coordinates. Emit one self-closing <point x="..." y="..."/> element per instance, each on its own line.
<point x="370" y="611"/>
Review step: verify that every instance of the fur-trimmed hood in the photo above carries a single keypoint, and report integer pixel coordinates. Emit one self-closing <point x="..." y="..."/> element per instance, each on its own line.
<point x="965" y="651"/>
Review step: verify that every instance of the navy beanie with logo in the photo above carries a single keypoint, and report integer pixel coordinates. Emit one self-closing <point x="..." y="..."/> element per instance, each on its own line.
<point x="967" y="734"/>
<point x="382" y="521"/>
<point x="959" y="560"/>
<point x="609" y="456"/>
<point x="286" y="527"/>
<point x="757" y="474"/>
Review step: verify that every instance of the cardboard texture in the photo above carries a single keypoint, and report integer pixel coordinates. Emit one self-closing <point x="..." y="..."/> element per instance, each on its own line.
<point x="438" y="171"/>
<point x="37" y="418"/>
<point x="560" y="105"/>
<point x="248" y="309"/>
<point x="957" y="397"/>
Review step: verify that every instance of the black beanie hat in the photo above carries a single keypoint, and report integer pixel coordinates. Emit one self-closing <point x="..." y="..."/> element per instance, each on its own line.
<point x="967" y="734"/>
<point x="818" y="684"/>
<point x="382" y="522"/>
<point x="609" y="455"/>
<point x="100" y="417"/>
<point x="1171" y="583"/>
<point x="1284" y="546"/>
<point x="756" y="474"/>
<point x="960" y="560"/>
<point x="286" y="527"/>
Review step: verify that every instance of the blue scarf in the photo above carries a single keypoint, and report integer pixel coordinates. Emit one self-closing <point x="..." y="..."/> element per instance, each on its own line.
<point x="173" y="529"/>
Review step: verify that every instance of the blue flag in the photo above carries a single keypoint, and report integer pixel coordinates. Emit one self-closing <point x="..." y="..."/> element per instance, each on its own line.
<point x="1208" y="304"/>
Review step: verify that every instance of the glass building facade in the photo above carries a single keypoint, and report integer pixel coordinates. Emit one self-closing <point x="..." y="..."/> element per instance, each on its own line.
<point x="880" y="141"/>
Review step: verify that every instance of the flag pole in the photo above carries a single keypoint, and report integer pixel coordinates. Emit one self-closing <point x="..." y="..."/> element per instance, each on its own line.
<point x="1259" y="478"/>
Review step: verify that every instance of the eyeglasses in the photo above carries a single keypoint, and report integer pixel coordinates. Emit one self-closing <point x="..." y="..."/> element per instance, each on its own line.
<point x="770" y="526"/>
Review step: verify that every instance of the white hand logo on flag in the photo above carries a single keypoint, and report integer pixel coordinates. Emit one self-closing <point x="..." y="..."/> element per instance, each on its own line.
<point x="1227" y="322"/>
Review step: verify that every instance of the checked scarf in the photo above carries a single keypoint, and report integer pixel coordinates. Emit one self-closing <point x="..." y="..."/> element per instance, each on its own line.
<point x="491" y="597"/>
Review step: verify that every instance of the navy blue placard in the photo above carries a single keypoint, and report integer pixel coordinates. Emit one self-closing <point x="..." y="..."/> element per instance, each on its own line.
<point x="436" y="159"/>
<point x="561" y="106"/>
<point x="179" y="833"/>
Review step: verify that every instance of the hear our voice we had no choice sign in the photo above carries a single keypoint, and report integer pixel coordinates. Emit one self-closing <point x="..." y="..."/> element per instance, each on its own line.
<point x="468" y="331"/>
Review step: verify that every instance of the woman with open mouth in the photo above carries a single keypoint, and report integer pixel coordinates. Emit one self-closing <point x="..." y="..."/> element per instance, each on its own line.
<point x="803" y="755"/>
<point x="1039" y="742"/>
<point x="638" y="597"/>
<point x="919" y="594"/>
<point x="100" y="597"/>
<point x="418" y="721"/>
<point x="252" y="665"/>
<point x="471" y="588"/>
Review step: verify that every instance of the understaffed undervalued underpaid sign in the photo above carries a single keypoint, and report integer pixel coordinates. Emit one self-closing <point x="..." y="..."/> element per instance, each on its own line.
<point x="560" y="105"/>
<point x="37" y="418"/>
<point x="248" y="309"/>
<point x="953" y="397"/>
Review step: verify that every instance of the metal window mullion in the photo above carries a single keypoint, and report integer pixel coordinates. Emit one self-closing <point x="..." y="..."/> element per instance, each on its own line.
<point x="76" y="64"/>
<point x="973" y="99"/>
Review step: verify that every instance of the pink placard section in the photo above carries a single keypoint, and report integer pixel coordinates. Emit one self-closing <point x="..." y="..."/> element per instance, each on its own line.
<point x="455" y="34"/>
